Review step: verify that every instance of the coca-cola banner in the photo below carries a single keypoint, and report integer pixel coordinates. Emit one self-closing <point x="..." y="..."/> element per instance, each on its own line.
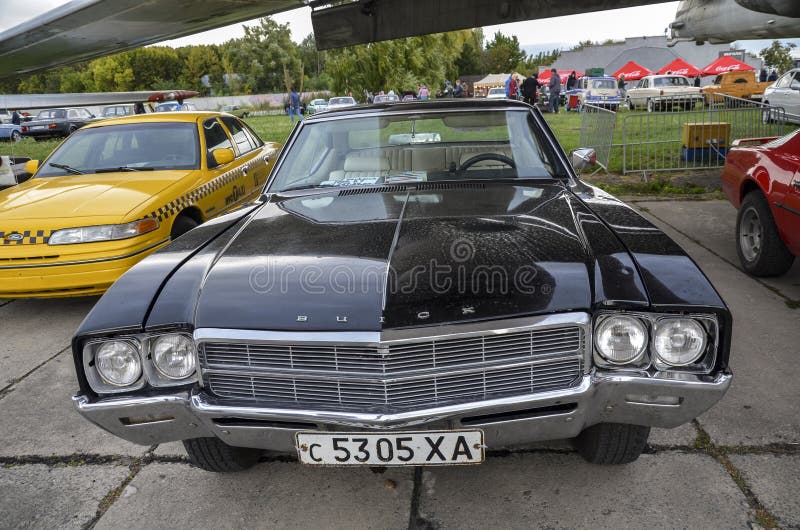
<point x="726" y="64"/>
<point x="632" y="71"/>
<point x="680" y="67"/>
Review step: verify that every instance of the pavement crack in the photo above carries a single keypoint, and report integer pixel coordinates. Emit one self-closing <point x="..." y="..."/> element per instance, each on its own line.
<point x="763" y="517"/>
<point x="415" y="519"/>
<point x="10" y="387"/>
<point x="791" y="303"/>
<point x="6" y="302"/>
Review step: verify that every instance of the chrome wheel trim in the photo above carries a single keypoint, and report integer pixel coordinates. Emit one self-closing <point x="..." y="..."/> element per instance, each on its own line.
<point x="751" y="233"/>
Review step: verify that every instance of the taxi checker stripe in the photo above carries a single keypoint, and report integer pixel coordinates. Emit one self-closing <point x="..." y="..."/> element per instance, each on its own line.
<point x="29" y="237"/>
<point x="165" y="212"/>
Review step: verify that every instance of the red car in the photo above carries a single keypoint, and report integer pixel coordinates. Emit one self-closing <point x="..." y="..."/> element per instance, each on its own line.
<point x="762" y="179"/>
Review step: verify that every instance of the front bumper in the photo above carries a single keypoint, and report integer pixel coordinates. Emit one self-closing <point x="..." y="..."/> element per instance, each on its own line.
<point x="667" y="401"/>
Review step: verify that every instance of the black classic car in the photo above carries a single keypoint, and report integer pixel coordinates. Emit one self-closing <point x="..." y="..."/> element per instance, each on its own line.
<point x="56" y="123"/>
<point x="393" y="300"/>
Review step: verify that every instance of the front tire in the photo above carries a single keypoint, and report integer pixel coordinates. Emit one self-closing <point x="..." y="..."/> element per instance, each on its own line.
<point x="612" y="443"/>
<point x="651" y="105"/>
<point x="211" y="454"/>
<point x="16" y="136"/>
<point x="183" y="223"/>
<point x="758" y="243"/>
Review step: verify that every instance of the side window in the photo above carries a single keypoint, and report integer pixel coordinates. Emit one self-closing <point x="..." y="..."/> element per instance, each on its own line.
<point x="254" y="139"/>
<point x="72" y="113"/>
<point x="784" y="81"/>
<point x="215" y="137"/>
<point x="795" y="83"/>
<point x="240" y="138"/>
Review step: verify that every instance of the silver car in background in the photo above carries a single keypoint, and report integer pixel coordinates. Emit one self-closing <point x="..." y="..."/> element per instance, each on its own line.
<point x="785" y="93"/>
<point x="341" y="102"/>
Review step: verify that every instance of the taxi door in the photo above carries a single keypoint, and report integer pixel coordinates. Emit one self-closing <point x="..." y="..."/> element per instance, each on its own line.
<point x="256" y="159"/>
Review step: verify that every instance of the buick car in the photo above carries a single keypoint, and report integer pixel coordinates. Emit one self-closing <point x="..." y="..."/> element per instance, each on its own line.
<point x="395" y="302"/>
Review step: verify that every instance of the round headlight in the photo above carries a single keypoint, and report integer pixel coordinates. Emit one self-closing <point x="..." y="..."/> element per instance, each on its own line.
<point x="679" y="341"/>
<point x="118" y="363"/>
<point x="173" y="356"/>
<point x="621" y="339"/>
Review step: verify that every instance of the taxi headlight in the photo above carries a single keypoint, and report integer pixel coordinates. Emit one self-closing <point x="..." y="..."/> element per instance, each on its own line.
<point x="679" y="341"/>
<point x="90" y="234"/>
<point x="621" y="339"/>
<point x="173" y="356"/>
<point x="118" y="363"/>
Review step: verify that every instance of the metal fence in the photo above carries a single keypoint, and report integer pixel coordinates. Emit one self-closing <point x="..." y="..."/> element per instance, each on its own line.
<point x="696" y="139"/>
<point x="597" y="131"/>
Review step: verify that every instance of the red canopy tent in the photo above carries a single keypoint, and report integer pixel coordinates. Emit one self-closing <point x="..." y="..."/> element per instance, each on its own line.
<point x="724" y="64"/>
<point x="680" y="67"/>
<point x="544" y="77"/>
<point x="632" y="71"/>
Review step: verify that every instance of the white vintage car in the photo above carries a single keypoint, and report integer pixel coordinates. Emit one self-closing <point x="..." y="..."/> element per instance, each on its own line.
<point x="662" y="92"/>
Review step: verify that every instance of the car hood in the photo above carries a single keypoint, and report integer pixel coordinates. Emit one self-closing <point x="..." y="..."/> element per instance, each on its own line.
<point x="372" y="259"/>
<point x="106" y="194"/>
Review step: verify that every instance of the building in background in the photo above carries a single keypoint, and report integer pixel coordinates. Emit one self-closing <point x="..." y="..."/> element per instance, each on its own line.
<point x="651" y="52"/>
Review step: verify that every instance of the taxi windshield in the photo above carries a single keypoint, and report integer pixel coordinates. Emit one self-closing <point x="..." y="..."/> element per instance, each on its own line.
<point x="125" y="147"/>
<point x="418" y="147"/>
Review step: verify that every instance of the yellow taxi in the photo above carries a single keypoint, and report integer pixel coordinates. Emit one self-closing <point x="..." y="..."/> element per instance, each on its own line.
<point x="118" y="190"/>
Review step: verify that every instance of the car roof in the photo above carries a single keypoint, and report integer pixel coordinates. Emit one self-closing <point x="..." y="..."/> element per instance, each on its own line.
<point x="160" y="117"/>
<point x="422" y="106"/>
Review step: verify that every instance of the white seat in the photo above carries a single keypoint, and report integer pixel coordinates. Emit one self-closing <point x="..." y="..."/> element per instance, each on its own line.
<point x="362" y="167"/>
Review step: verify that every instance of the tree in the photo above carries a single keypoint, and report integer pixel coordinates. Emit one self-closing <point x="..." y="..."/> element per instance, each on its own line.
<point x="503" y="54"/>
<point x="778" y="56"/>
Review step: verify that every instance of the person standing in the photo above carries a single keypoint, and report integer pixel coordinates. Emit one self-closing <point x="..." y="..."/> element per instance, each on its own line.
<point x="512" y="88"/>
<point x="697" y="81"/>
<point x="529" y="90"/>
<point x="773" y="76"/>
<point x="458" y="91"/>
<point x="621" y="84"/>
<point x="424" y="94"/>
<point x="555" y="90"/>
<point x="294" y="105"/>
<point x="16" y="119"/>
<point x="572" y="80"/>
<point x="762" y="76"/>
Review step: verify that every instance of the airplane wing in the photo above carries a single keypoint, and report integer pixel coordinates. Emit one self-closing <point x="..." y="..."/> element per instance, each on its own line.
<point x="87" y="29"/>
<point x="43" y="101"/>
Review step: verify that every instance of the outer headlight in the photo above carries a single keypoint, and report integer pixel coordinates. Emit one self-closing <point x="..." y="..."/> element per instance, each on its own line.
<point x="118" y="363"/>
<point x="90" y="234"/>
<point x="679" y="341"/>
<point x="173" y="356"/>
<point x="621" y="339"/>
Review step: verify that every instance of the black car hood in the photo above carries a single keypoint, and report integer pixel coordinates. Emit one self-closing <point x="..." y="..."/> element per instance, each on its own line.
<point x="368" y="259"/>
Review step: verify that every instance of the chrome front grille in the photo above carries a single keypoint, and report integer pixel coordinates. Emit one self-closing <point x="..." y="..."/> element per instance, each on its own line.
<point x="395" y="375"/>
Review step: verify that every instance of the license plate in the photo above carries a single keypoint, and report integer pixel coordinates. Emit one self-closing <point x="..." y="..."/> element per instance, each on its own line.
<point x="38" y="127"/>
<point x="423" y="448"/>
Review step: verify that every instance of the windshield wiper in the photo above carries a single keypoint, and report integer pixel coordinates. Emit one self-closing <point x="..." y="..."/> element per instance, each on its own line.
<point x="122" y="168"/>
<point x="304" y="187"/>
<point x="68" y="169"/>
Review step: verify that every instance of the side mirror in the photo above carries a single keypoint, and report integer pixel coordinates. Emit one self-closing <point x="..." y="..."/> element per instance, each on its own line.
<point x="222" y="156"/>
<point x="583" y="158"/>
<point x="31" y="166"/>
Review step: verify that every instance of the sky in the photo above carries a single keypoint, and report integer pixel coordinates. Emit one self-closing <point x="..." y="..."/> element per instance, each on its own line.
<point x="534" y="35"/>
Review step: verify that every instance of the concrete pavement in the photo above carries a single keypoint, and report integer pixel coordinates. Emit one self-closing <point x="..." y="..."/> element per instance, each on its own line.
<point x="736" y="466"/>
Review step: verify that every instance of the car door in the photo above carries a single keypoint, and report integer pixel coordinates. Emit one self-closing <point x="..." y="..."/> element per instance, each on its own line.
<point x="639" y="96"/>
<point x="250" y="150"/>
<point x="781" y="92"/>
<point x="792" y="104"/>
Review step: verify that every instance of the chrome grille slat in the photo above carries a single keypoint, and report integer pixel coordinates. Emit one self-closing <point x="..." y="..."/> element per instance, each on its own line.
<point x="395" y="375"/>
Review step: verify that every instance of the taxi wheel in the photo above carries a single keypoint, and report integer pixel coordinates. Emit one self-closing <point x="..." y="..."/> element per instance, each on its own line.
<point x="214" y="455"/>
<point x="612" y="443"/>
<point x="182" y="224"/>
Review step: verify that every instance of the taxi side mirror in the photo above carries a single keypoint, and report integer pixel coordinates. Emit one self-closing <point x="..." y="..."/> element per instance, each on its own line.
<point x="31" y="166"/>
<point x="222" y="156"/>
<point x="583" y="158"/>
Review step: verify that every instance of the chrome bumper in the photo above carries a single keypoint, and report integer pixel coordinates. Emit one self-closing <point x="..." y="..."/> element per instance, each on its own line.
<point x="667" y="401"/>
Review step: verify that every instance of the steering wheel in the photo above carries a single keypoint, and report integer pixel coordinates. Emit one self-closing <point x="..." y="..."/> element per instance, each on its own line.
<point x="487" y="156"/>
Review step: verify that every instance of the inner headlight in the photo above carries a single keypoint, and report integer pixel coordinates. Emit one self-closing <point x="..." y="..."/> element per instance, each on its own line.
<point x="621" y="339"/>
<point x="173" y="356"/>
<point x="90" y="234"/>
<point x="118" y="363"/>
<point x="679" y="341"/>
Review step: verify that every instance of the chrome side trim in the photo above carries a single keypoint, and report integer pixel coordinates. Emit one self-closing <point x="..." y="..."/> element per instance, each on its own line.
<point x="387" y="337"/>
<point x="82" y="262"/>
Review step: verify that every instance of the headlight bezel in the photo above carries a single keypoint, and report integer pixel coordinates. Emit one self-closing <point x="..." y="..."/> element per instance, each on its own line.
<point x="650" y="360"/>
<point x="115" y="232"/>
<point x="150" y="375"/>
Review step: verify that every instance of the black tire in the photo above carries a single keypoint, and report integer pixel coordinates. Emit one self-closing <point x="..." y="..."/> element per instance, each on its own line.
<point x="182" y="224"/>
<point x="758" y="243"/>
<point x="214" y="455"/>
<point x="72" y="129"/>
<point x="16" y="136"/>
<point x="612" y="443"/>
<point x="651" y="105"/>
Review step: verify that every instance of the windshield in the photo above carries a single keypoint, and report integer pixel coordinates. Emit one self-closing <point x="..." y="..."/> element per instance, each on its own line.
<point x="420" y="147"/>
<point x="129" y="147"/>
<point x="604" y="83"/>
